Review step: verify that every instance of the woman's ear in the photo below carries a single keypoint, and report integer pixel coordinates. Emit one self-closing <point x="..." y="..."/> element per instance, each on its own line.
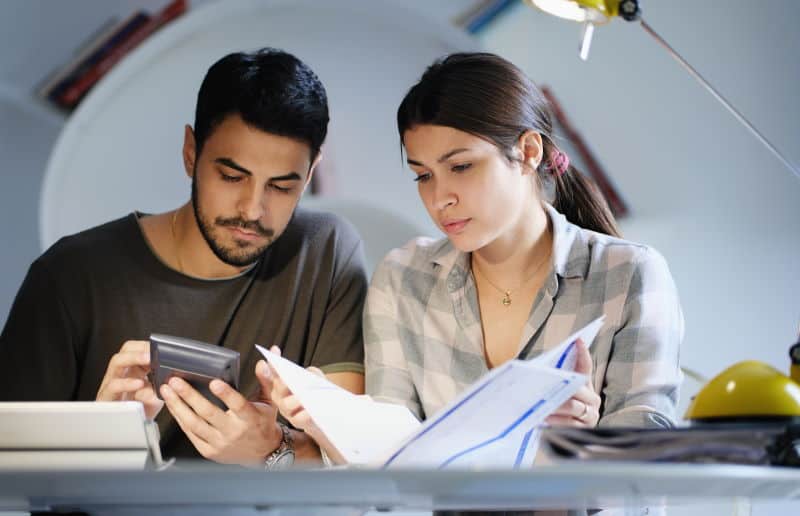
<point x="530" y="145"/>
<point x="189" y="150"/>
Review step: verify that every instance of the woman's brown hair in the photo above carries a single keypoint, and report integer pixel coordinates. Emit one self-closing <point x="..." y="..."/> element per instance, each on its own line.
<point x="487" y="96"/>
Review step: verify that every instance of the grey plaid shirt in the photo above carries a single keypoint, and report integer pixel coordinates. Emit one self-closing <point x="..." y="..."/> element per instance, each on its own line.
<point x="423" y="338"/>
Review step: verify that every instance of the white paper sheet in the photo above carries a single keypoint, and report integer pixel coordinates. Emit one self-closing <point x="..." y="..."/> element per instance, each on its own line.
<point x="361" y="429"/>
<point x="493" y="424"/>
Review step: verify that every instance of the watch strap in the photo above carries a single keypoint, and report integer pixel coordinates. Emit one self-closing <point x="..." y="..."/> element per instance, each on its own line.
<point x="283" y="456"/>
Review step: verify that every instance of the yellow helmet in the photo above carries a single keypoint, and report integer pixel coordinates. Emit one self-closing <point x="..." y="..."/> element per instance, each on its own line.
<point x="746" y="390"/>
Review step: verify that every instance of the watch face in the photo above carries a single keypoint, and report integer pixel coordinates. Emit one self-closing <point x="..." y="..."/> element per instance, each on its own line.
<point x="284" y="460"/>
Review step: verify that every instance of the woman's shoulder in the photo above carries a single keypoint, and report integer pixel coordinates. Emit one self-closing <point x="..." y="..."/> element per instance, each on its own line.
<point x="614" y="255"/>
<point x="579" y="250"/>
<point x="603" y="245"/>
<point x="418" y="254"/>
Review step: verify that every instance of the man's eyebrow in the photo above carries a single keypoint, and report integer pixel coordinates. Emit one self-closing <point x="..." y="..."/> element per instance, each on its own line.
<point x="228" y="162"/>
<point x="291" y="176"/>
<point x="442" y="158"/>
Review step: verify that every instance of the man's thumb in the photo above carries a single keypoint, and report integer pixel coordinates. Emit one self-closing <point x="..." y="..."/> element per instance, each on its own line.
<point x="264" y="377"/>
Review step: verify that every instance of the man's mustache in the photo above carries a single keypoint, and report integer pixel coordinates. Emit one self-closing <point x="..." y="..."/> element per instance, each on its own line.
<point x="249" y="225"/>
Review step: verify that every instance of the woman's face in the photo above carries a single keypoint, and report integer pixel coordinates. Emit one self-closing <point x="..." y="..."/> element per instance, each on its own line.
<point x="471" y="190"/>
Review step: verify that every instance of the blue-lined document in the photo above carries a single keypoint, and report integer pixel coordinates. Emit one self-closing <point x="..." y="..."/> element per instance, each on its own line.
<point x="493" y="424"/>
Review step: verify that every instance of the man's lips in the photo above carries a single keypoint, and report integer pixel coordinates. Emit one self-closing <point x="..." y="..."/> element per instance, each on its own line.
<point x="244" y="234"/>
<point x="454" y="226"/>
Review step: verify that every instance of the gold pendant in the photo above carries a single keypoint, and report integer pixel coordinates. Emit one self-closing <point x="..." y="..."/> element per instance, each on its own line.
<point x="507" y="299"/>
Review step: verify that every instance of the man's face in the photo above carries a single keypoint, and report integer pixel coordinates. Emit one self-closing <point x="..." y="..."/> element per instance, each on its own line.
<point x="246" y="184"/>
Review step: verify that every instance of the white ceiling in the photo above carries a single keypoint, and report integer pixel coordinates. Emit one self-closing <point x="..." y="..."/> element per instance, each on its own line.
<point x="39" y="35"/>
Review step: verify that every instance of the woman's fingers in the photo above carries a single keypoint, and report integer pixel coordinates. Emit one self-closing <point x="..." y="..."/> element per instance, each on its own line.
<point x="583" y="362"/>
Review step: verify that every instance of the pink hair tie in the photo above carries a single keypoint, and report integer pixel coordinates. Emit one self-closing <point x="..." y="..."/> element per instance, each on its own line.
<point x="559" y="163"/>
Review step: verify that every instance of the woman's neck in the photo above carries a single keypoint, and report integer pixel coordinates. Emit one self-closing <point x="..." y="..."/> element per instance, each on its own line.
<point x="520" y="253"/>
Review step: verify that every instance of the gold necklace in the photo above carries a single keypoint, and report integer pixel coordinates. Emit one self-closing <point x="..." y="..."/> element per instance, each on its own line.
<point x="175" y="242"/>
<point x="507" y="292"/>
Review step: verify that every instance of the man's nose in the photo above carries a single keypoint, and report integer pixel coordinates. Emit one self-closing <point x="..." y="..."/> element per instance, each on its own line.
<point x="251" y="204"/>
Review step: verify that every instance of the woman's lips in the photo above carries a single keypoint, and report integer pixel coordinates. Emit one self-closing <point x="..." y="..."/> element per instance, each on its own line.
<point x="455" y="226"/>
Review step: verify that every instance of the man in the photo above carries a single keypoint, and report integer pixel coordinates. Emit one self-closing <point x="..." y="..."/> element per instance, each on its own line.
<point x="234" y="266"/>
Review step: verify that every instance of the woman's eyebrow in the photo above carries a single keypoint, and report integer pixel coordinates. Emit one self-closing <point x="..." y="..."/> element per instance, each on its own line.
<point x="443" y="157"/>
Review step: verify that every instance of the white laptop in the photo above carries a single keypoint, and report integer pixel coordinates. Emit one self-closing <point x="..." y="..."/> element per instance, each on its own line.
<point x="77" y="435"/>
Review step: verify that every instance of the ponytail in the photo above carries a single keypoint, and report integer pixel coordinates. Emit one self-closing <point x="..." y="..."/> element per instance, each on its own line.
<point x="574" y="195"/>
<point x="581" y="202"/>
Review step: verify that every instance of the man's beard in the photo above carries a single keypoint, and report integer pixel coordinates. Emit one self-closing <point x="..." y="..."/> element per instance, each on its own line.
<point x="238" y="256"/>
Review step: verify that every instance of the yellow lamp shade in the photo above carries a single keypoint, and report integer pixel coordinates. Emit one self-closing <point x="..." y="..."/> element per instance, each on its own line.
<point x="747" y="390"/>
<point x="592" y="11"/>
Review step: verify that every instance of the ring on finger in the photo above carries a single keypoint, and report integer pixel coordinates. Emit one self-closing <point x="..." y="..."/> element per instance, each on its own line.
<point x="585" y="412"/>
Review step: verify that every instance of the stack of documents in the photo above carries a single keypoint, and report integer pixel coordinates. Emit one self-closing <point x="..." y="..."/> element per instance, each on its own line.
<point x="730" y="444"/>
<point x="493" y="424"/>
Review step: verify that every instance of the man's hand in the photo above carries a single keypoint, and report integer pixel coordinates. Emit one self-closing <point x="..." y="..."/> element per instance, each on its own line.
<point x="126" y="378"/>
<point x="275" y="392"/>
<point x="583" y="408"/>
<point x="244" y="434"/>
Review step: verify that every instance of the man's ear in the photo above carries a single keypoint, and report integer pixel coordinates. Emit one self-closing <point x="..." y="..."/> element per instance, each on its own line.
<point x="189" y="150"/>
<point x="530" y="146"/>
<point x="312" y="168"/>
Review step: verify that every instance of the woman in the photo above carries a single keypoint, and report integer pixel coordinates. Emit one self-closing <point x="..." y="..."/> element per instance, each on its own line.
<point x="516" y="274"/>
<point x="532" y="254"/>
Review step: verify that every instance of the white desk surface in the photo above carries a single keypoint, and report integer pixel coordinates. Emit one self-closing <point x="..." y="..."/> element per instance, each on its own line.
<point x="575" y="485"/>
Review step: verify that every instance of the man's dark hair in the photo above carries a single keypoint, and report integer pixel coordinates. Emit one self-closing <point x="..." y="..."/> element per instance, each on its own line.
<point x="271" y="90"/>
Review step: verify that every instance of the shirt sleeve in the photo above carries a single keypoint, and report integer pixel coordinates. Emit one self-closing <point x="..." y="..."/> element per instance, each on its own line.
<point x="387" y="373"/>
<point x="39" y="361"/>
<point x="341" y="347"/>
<point x="643" y="375"/>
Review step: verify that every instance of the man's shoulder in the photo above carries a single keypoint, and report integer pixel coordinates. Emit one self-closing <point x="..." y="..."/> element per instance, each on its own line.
<point x="91" y="243"/>
<point x="319" y="227"/>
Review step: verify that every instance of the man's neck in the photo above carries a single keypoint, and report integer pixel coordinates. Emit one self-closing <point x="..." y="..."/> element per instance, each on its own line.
<point x="193" y="255"/>
<point x="176" y="240"/>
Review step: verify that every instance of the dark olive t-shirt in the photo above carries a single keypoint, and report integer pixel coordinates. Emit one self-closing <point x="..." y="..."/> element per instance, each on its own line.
<point x="92" y="291"/>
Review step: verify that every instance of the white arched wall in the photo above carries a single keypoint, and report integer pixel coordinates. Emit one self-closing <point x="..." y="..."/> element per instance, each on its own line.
<point x="120" y="150"/>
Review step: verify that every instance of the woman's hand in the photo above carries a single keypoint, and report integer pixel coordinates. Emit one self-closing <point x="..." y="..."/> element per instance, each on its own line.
<point x="583" y="408"/>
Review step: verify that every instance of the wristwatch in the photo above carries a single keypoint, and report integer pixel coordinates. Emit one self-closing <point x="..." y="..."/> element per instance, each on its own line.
<point x="283" y="456"/>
